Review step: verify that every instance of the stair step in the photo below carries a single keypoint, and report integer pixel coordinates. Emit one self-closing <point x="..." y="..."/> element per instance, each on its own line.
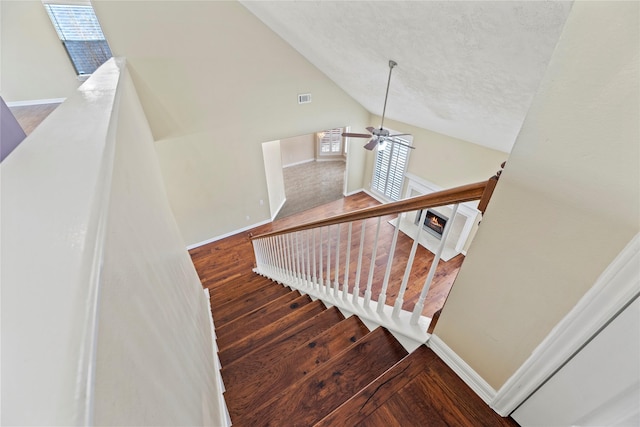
<point x="326" y="388"/>
<point x="281" y="345"/>
<point x="249" y="302"/>
<point x="237" y="288"/>
<point x="374" y="395"/>
<point x="257" y="386"/>
<point x="260" y="317"/>
<point x="268" y="333"/>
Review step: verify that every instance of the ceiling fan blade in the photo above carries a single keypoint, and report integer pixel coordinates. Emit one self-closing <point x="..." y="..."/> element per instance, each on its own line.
<point x="357" y="135"/>
<point x="371" y="129"/>
<point x="371" y="144"/>
<point x="401" y="143"/>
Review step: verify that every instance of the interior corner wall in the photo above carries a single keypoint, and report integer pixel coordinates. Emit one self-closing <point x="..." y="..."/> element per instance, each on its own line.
<point x="567" y="202"/>
<point x="34" y="64"/>
<point x="441" y="159"/>
<point x="275" y="179"/>
<point x="215" y="83"/>
<point x="298" y="149"/>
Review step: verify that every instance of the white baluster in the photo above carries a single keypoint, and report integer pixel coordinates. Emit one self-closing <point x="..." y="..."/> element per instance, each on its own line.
<point x="320" y="261"/>
<point x="407" y="271"/>
<point x="345" y="286"/>
<point x="328" y="284"/>
<point x="367" y="292"/>
<point x="315" y="267"/>
<point x="296" y="247"/>
<point x="382" y="298"/>
<point x="356" y="287"/>
<point x="417" y="311"/>
<point x="308" y="251"/>
<point x="336" y="285"/>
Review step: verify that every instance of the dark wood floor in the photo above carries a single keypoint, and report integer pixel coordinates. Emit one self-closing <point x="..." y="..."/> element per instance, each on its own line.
<point x="289" y="361"/>
<point x="229" y="258"/>
<point x="30" y="116"/>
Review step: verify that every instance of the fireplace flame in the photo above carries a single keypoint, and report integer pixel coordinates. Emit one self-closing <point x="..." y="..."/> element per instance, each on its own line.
<point x="434" y="221"/>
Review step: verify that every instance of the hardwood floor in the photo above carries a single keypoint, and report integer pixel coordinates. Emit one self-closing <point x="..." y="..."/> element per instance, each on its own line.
<point x="232" y="257"/>
<point x="293" y="362"/>
<point x="29" y="117"/>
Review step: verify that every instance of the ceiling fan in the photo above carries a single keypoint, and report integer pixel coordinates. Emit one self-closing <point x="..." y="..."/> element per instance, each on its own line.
<point x="380" y="137"/>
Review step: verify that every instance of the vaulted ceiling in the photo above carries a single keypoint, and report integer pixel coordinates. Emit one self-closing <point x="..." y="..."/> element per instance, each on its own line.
<point x="467" y="69"/>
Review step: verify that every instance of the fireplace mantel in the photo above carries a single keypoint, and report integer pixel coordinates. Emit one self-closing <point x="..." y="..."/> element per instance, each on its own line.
<point x="461" y="229"/>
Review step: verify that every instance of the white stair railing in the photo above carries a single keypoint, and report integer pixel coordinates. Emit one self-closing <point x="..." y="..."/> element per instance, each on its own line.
<point x="327" y="260"/>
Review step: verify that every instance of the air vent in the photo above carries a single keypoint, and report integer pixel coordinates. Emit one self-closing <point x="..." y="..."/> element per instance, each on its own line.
<point x="304" y="98"/>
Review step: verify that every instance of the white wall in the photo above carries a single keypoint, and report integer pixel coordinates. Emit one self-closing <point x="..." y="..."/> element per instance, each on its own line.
<point x="215" y="83"/>
<point x="33" y="63"/>
<point x="275" y="179"/>
<point x="297" y="150"/>
<point x="567" y="203"/>
<point x="104" y="320"/>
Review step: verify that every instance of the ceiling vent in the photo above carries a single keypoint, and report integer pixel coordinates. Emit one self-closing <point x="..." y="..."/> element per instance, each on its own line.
<point x="304" y="98"/>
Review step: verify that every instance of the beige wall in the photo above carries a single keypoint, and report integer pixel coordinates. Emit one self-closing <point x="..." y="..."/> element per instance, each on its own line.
<point x="33" y="63"/>
<point x="215" y="83"/>
<point x="271" y="152"/>
<point x="440" y="159"/>
<point x="567" y="203"/>
<point x="298" y="149"/>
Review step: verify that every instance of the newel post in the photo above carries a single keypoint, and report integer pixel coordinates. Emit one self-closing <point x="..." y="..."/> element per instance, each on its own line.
<point x="488" y="191"/>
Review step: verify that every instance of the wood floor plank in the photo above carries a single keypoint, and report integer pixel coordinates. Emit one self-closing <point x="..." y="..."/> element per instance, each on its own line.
<point x="259" y="318"/>
<point x="258" y="386"/>
<point x="268" y="333"/>
<point x="326" y="388"/>
<point x="367" y="400"/>
<point x="237" y="289"/>
<point x="281" y="346"/>
<point x="241" y="306"/>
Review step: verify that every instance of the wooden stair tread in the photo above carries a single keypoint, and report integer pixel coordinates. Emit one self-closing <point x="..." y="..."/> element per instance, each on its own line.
<point x="237" y="288"/>
<point x="264" y="335"/>
<point x="326" y="388"/>
<point x="240" y="306"/>
<point x="257" y="386"/>
<point x="281" y="345"/>
<point x="260" y="317"/>
<point x="367" y="400"/>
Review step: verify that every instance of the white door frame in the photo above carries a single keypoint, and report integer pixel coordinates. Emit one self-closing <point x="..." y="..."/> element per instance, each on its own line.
<point x="614" y="289"/>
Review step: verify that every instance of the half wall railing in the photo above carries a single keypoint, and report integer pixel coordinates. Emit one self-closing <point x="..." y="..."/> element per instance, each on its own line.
<point x="336" y="260"/>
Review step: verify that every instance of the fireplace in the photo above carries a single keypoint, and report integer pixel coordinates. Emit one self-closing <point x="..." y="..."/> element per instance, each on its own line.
<point x="434" y="222"/>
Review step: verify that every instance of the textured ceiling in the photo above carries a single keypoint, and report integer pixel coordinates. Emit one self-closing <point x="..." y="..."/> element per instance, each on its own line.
<point x="468" y="69"/>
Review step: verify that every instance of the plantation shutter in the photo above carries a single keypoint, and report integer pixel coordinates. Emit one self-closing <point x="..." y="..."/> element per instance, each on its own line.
<point x="390" y="167"/>
<point x="331" y="141"/>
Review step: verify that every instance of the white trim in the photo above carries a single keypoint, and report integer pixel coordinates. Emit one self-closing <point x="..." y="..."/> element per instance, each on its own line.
<point x="224" y="419"/>
<point x="298" y="163"/>
<point x="35" y="102"/>
<point x="616" y="286"/>
<point x="224" y="236"/>
<point x="375" y="196"/>
<point x="337" y="158"/>
<point x="351" y="193"/>
<point x="464" y="371"/>
<point x="273" y="217"/>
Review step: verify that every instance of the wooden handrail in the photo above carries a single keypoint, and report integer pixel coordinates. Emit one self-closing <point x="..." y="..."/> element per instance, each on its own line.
<point x="464" y="193"/>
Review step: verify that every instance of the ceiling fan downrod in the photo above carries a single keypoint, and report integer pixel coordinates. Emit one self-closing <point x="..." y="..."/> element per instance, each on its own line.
<point x="392" y="64"/>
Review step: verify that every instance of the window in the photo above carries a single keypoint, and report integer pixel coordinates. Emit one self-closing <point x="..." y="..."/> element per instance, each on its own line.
<point x="389" y="168"/>
<point x="330" y="142"/>
<point x="81" y="35"/>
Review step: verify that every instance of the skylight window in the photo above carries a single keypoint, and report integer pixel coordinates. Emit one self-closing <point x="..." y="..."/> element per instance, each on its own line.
<point x="80" y="33"/>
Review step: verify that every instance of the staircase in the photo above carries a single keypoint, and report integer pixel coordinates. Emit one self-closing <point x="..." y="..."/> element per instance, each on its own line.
<point x="290" y="361"/>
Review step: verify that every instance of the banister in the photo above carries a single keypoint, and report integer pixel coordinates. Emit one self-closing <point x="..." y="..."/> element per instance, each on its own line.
<point x="461" y="194"/>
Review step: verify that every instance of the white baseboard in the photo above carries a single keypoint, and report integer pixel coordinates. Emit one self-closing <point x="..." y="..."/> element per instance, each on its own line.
<point x="331" y="159"/>
<point x="35" y="102"/>
<point x="464" y="371"/>
<point x="298" y="163"/>
<point x="351" y="193"/>
<point x="224" y="419"/>
<point x="224" y="236"/>
<point x="375" y="196"/>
